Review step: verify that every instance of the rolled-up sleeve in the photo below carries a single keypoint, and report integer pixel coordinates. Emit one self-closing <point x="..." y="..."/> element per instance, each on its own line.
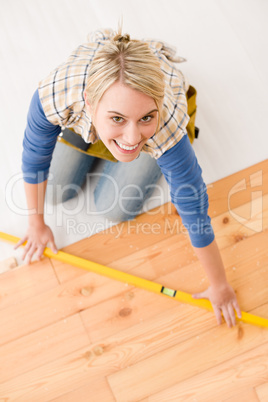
<point x="188" y="191"/>
<point x="39" y="141"/>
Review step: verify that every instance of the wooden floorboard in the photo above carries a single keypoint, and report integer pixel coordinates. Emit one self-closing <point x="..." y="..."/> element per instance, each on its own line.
<point x="71" y="335"/>
<point x="262" y="391"/>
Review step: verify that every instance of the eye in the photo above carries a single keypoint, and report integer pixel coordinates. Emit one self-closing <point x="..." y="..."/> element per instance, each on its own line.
<point x="146" y="119"/>
<point x="117" y="119"/>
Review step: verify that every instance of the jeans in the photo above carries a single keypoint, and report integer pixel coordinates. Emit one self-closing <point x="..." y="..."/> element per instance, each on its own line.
<point x="121" y="189"/>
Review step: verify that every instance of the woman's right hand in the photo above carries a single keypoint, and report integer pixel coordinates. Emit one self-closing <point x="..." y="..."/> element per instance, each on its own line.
<point x="37" y="237"/>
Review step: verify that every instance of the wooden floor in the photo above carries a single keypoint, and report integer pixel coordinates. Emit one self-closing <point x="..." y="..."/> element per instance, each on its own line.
<point x="68" y="335"/>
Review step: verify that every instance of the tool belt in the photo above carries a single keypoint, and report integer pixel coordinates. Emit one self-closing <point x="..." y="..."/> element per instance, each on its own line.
<point x="99" y="150"/>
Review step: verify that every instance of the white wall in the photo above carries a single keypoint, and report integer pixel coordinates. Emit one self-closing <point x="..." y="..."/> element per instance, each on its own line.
<point x="224" y="41"/>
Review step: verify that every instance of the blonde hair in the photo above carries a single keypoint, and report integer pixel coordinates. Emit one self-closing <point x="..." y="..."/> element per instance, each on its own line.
<point x="130" y="62"/>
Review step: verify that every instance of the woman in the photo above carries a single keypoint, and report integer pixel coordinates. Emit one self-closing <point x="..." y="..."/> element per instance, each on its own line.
<point x="126" y="97"/>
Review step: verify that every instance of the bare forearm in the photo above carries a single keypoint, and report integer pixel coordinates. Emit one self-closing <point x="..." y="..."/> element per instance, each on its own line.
<point x="220" y="293"/>
<point x="211" y="261"/>
<point x="35" y="196"/>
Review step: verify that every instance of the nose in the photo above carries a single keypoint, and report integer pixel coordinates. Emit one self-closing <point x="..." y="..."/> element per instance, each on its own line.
<point x="132" y="134"/>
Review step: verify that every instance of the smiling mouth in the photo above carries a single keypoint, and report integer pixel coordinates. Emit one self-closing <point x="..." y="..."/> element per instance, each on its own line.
<point x="126" y="147"/>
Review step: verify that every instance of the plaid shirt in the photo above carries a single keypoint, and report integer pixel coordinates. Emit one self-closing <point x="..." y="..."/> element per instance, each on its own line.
<point x="61" y="94"/>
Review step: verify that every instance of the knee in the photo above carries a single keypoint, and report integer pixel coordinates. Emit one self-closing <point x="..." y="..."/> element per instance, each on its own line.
<point x="117" y="216"/>
<point x="57" y="194"/>
<point x="118" y="211"/>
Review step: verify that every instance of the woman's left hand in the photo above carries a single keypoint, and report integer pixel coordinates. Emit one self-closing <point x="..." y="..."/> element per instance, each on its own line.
<point x="223" y="300"/>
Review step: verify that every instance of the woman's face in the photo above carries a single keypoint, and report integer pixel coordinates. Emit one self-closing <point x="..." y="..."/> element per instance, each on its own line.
<point x="124" y="120"/>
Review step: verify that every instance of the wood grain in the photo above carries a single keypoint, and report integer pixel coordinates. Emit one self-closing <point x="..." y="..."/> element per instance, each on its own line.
<point x="262" y="391"/>
<point x="67" y="334"/>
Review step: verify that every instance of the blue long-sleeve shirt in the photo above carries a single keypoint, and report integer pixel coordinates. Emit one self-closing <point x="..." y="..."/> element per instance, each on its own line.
<point x="39" y="141"/>
<point x="178" y="164"/>
<point x="188" y="191"/>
